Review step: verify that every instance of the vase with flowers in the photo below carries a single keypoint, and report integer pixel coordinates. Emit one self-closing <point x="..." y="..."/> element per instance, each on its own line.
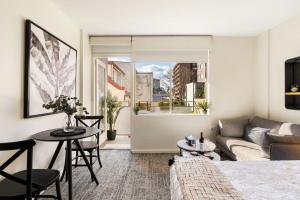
<point x="68" y="105"/>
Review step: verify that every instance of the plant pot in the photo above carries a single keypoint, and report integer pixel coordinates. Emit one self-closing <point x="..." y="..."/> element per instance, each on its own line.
<point x="111" y="135"/>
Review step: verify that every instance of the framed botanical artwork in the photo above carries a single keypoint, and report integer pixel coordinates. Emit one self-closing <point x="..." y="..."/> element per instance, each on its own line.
<point x="50" y="69"/>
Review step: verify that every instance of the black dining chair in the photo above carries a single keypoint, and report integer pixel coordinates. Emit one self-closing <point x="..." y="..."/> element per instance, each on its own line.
<point x="88" y="146"/>
<point x="29" y="183"/>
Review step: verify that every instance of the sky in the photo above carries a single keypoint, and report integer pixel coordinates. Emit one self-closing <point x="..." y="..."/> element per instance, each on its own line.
<point x="159" y="69"/>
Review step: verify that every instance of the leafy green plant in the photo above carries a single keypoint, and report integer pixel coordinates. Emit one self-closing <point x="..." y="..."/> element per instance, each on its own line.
<point x="178" y="102"/>
<point x="164" y="104"/>
<point x="136" y="110"/>
<point x="113" y="110"/>
<point x="68" y="105"/>
<point x="144" y="106"/>
<point x="203" y="105"/>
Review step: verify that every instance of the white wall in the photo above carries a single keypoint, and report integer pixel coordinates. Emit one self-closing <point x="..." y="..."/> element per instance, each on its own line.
<point x="231" y="79"/>
<point x="86" y="73"/>
<point x="261" y="74"/>
<point x="12" y="19"/>
<point x="283" y="43"/>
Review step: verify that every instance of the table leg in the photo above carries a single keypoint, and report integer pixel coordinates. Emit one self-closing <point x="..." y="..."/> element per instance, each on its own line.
<point x="69" y="168"/>
<point x="86" y="161"/>
<point x="55" y="154"/>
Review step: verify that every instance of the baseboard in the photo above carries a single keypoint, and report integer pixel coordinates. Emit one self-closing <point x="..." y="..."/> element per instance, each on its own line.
<point x="155" y="150"/>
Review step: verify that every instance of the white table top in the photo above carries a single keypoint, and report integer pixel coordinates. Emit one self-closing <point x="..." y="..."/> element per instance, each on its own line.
<point x="208" y="146"/>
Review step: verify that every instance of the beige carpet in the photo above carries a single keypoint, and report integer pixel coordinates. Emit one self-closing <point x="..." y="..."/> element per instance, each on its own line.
<point x="124" y="176"/>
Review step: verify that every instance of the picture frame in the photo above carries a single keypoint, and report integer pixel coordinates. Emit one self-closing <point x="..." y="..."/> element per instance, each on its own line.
<point x="50" y="69"/>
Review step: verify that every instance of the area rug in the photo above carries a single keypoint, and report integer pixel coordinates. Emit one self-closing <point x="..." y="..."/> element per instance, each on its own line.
<point x="124" y="176"/>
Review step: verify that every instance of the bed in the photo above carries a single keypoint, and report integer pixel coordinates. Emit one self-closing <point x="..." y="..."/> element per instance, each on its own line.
<point x="253" y="180"/>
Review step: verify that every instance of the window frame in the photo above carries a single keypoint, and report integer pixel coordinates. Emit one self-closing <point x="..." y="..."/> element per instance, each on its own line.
<point x="207" y="89"/>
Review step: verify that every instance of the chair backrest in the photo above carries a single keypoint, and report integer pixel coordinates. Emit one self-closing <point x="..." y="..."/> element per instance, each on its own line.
<point x="95" y="122"/>
<point x="96" y="119"/>
<point x="21" y="147"/>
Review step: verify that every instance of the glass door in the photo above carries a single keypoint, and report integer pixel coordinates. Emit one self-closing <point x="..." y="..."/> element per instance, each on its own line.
<point x="101" y="79"/>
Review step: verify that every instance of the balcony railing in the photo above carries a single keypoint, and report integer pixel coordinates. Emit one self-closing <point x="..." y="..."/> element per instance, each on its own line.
<point x="166" y="106"/>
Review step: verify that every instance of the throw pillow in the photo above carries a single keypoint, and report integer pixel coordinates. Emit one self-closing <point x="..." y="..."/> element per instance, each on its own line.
<point x="258" y="136"/>
<point x="232" y="127"/>
<point x="289" y="129"/>
<point x="266" y="123"/>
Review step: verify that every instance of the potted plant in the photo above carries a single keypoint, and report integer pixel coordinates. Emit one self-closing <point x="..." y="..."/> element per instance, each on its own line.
<point x="164" y="105"/>
<point x="136" y="110"/>
<point x="113" y="110"/>
<point x="68" y="105"/>
<point x="203" y="105"/>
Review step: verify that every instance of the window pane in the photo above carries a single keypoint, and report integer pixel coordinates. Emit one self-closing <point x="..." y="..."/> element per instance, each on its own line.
<point x="153" y="86"/>
<point x="164" y="87"/>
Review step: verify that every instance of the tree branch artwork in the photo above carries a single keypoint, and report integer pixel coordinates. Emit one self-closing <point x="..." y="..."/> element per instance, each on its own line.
<point x="51" y="67"/>
<point x="56" y="71"/>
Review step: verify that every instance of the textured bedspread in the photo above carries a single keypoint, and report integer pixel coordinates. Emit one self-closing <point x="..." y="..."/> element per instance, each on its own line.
<point x="200" y="178"/>
<point x="255" y="180"/>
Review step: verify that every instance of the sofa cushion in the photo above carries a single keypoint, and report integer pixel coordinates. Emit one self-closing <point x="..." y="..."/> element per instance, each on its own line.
<point x="242" y="149"/>
<point x="266" y="123"/>
<point x="258" y="136"/>
<point x="289" y="129"/>
<point x="232" y="127"/>
<point x="286" y="139"/>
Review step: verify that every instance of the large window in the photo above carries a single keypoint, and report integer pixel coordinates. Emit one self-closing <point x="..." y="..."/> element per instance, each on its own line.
<point x="170" y="87"/>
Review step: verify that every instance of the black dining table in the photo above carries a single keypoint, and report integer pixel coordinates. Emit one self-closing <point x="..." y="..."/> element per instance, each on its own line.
<point x="46" y="137"/>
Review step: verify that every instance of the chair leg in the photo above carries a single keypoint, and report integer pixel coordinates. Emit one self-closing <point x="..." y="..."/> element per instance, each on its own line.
<point x="76" y="160"/>
<point x="98" y="155"/>
<point x="91" y="161"/>
<point x="64" y="170"/>
<point x="66" y="175"/>
<point x="58" y="193"/>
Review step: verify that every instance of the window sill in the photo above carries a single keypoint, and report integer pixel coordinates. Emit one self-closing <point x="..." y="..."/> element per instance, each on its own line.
<point x="171" y="114"/>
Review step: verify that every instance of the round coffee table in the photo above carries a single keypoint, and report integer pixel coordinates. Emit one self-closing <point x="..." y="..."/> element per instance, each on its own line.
<point x="208" y="150"/>
<point x="208" y="146"/>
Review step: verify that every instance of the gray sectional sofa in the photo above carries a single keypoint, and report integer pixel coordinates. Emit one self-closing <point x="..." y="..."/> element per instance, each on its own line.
<point x="258" y="139"/>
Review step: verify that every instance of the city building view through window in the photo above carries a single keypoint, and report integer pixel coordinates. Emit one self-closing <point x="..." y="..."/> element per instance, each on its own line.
<point x="164" y="87"/>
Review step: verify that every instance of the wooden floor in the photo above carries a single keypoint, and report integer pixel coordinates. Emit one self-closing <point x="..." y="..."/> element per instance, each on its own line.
<point x="124" y="176"/>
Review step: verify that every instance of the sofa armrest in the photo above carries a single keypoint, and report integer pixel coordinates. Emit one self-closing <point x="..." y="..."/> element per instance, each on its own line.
<point x="280" y="151"/>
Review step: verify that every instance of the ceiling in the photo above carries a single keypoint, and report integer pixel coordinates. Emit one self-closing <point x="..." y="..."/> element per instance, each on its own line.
<point x="178" y="17"/>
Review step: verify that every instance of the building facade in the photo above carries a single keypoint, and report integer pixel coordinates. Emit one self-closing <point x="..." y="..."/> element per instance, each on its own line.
<point x="183" y="74"/>
<point x="156" y="85"/>
<point x="115" y="81"/>
<point x="144" y="87"/>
